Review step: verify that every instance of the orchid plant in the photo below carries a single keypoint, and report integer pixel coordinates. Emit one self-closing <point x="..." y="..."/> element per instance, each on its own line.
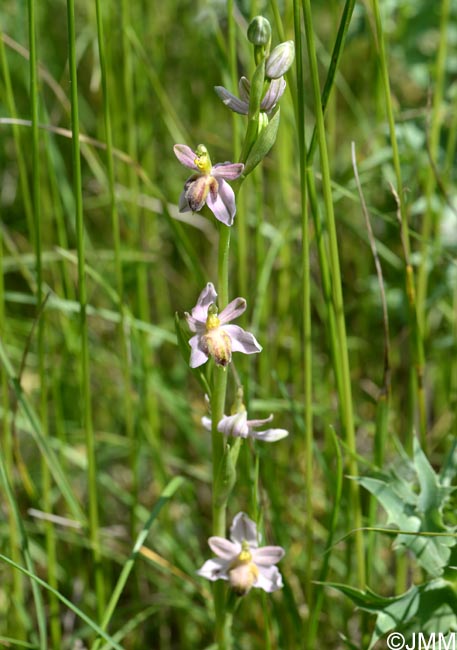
<point x="240" y="562"/>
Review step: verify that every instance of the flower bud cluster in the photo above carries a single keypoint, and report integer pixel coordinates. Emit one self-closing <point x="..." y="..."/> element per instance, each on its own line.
<point x="276" y="63"/>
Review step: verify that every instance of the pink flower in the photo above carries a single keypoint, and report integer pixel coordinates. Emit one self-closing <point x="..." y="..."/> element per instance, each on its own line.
<point x="214" y="337"/>
<point x="241" y="561"/>
<point x="209" y="184"/>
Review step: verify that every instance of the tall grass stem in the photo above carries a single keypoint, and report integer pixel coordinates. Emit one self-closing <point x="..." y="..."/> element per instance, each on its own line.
<point x="36" y="237"/>
<point x="338" y="302"/>
<point x="417" y="346"/>
<point x="85" y="369"/>
<point x="306" y="310"/>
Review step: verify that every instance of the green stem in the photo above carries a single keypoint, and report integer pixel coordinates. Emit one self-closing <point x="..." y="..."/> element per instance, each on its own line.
<point x="337" y="294"/>
<point x="318" y="223"/>
<point x="429" y="223"/>
<point x="8" y="458"/>
<point x="24" y="545"/>
<point x="217" y="411"/>
<point x="320" y="591"/>
<point x="85" y="373"/>
<point x="37" y="240"/>
<point x="22" y="169"/>
<point x="306" y="303"/>
<point x="334" y="63"/>
<point x="417" y="342"/>
<point x="223" y="266"/>
<point x="124" y="342"/>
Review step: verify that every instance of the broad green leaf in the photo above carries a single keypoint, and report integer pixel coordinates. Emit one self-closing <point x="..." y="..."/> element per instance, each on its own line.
<point x="433" y="494"/>
<point x="449" y="469"/>
<point x="415" y="511"/>
<point x="430" y="607"/>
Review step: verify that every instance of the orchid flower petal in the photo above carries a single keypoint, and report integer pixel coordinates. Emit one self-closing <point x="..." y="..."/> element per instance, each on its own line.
<point x="223" y="548"/>
<point x="269" y="579"/>
<point x="231" y="101"/>
<point x="234" y="425"/>
<point x="183" y="204"/>
<point x="205" y="299"/>
<point x="267" y="555"/>
<point x="194" y="324"/>
<point x="185" y="155"/>
<point x="222" y="205"/>
<point x="242" y="341"/>
<point x="232" y="311"/>
<point x="273" y="94"/>
<point x="206" y="422"/>
<point x="214" y="569"/>
<point x="227" y="170"/>
<point x="270" y="435"/>
<point x="244" y="88"/>
<point x="260" y="423"/>
<point x="197" y="191"/>
<point x="197" y="356"/>
<point x="207" y="296"/>
<point x="244" y="529"/>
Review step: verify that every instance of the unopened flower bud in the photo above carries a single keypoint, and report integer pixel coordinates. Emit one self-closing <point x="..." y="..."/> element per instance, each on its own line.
<point x="259" y="31"/>
<point x="280" y="60"/>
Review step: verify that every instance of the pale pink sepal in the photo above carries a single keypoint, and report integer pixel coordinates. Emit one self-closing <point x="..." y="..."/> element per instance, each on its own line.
<point x="185" y="155"/>
<point x="242" y="341"/>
